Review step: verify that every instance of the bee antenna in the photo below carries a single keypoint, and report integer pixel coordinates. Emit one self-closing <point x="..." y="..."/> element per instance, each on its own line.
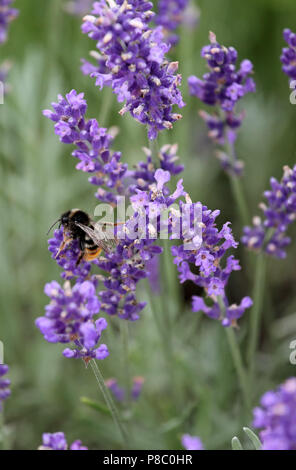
<point x="53" y="225"/>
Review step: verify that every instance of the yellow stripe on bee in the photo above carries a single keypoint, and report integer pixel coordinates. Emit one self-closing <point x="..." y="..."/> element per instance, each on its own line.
<point x="90" y="255"/>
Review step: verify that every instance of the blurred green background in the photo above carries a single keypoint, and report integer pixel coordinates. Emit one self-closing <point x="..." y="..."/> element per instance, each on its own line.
<point x="38" y="182"/>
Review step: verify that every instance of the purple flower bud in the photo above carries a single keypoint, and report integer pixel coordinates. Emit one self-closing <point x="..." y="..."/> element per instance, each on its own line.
<point x="57" y="441"/>
<point x="191" y="442"/>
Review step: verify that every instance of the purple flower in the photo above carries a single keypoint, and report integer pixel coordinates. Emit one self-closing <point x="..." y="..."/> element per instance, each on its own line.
<point x="120" y="394"/>
<point x="92" y="145"/>
<point x="137" y="387"/>
<point x="57" y="441"/>
<point x="276" y="417"/>
<point x="67" y="258"/>
<point x="288" y="57"/>
<point x="136" y="67"/>
<point x="191" y="442"/>
<point x="4" y="384"/>
<point x="69" y="317"/>
<point x="222" y="87"/>
<point x="170" y="15"/>
<point x="7" y="14"/>
<point x="213" y="273"/>
<point x="279" y="212"/>
<point x="117" y="391"/>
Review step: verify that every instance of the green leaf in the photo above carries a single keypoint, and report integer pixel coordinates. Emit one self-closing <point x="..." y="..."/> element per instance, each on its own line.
<point x="253" y="438"/>
<point x="95" y="405"/>
<point x="235" y="443"/>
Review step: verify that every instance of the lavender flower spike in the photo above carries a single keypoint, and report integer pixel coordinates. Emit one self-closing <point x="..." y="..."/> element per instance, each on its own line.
<point x="222" y="87"/>
<point x="269" y="235"/>
<point x="4" y="384"/>
<point x="191" y="442"/>
<point x="57" y="441"/>
<point x="7" y="14"/>
<point x="288" y="57"/>
<point x="70" y="318"/>
<point x="276" y="417"/>
<point x="136" y="67"/>
<point x="214" y="268"/>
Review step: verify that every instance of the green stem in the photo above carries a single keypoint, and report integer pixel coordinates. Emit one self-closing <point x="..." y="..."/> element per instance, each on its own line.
<point x="239" y="196"/>
<point x="125" y="344"/>
<point x="153" y="146"/>
<point x="237" y="188"/>
<point x="109" y="401"/>
<point x="255" y="314"/>
<point x="237" y="360"/>
<point x="239" y="366"/>
<point x="164" y="335"/>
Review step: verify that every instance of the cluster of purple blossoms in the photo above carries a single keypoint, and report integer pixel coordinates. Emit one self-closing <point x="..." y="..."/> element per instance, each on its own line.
<point x="58" y="441"/>
<point x="191" y="442"/>
<point x="132" y="61"/>
<point x="279" y="212"/>
<point x="126" y="265"/>
<point x="276" y="417"/>
<point x="203" y="265"/>
<point x="7" y="14"/>
<point x="223" y="86"/>
<point x="120" y="394"/>
<point x="92" y="145"/>
<point x="4" y="384"/>
<point x="288" y="57"/>
<point x="69" y="318"/>
<point x="167" y="160"/>
<point x="170" y="15"/>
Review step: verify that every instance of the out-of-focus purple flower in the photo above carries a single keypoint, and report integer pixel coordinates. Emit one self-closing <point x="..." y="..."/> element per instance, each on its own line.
<point x="136" y="67"/>
<point x="117" y="391"/>
<point x="288" y="57"/>
<point x="4" y="384"/>
<point x="69" y="317"/>
<point x="57" y="441"/>
<point x="171" y="14"/>
<point x="223" y="86"/>
<point x="269" y="235"/>
<point x="120" y="394"/>
<point x="7" y="14"/>
<point x="191" y="442"/>
<point x="78" y="7"/>
<point x="137" y="387"/>
<point x="212" y="275"/>
<point x="276" y="417"/>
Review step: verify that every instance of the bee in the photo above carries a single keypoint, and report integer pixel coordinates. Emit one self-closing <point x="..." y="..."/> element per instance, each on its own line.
<point x="78" y="225"/>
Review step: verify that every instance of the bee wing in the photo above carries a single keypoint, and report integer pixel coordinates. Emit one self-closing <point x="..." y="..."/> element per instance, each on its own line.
<point x="106" y="244"/>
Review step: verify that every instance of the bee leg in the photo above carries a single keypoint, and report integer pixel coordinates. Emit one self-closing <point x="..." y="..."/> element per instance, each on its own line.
<point x="63" y="245"/>
<point x="81" y="254"/>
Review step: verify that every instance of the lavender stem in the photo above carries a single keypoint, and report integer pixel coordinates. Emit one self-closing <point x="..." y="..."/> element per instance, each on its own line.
<point x="109" y="401"/>
<point x="258" y="296"/>
<point x="237" y="359"/>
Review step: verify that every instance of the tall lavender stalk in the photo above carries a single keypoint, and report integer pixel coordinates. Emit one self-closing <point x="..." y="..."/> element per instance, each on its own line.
<point x="268" y="237"/>
<point x="131" y="60"/>
<point x="222" y="88"/>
